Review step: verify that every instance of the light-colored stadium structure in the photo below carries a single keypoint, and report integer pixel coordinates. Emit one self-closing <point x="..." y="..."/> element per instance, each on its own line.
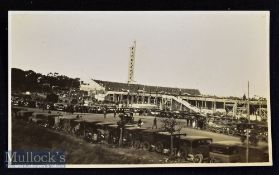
<point x="182" y="99"/>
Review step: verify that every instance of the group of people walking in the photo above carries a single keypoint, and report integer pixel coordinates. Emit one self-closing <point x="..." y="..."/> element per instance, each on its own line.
<point x="196" y="122"/>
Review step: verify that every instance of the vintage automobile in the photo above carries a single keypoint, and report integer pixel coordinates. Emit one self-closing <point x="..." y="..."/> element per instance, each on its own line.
<point x="167" y="114"/>
<point x="133" y="136"/>
<point x="211" y="123"/>
<point x="53" y="120"/>
<point x="229" y="129"/>
<point x="154" y="112"/>
<point x="163" y="142"/>
<point x="93" y="131"/>
<point x="82" y="108"/>
<point x="23" y="114"/>
<point x="151" y="138"/>
<point x="43" y="119"/>
<point x="184" y="114"/>
<point x="49" y="106"/>
<point x="127" y="117"/>
<point x="39" y="118"/>
<point x="97" y="109"/>
<point x="114" y="134"/>
<point x="16" y="109"/>
<point x="59" y="106"/>
<point x="87" y="126"/>
<point x="224" y="152"/>
<point x="66" y="124"/>
<point x="257" y="153"/>
<point x="194" y="148"/>
<point x="111" y="109"/>
<point x="263" y="132"/>
<point x="115" y="131"/>
<point x="102" y="131"/>
<point x="176" y="114"/>
<point x="253" y="131"/>
<point x="219" y="127"/>
<point x="15" y="102"/>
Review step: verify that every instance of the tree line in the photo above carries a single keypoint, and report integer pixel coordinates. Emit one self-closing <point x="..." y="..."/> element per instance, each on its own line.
<point x="36" y="82"/>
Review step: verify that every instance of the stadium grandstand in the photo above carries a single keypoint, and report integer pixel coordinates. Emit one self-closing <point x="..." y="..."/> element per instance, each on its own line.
<point x="131" y="94"/>
<point x="180" y="99"/>
<point x="135" y="88"/>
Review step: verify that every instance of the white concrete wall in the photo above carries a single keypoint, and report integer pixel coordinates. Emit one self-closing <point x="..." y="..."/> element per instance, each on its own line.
<point x="93" y="87"/>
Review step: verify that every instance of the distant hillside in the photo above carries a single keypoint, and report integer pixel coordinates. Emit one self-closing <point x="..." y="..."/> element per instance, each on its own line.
<point x="32" y="81"/>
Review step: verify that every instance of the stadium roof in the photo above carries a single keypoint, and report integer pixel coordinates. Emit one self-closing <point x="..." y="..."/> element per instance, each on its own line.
<point x="116" y="86"/>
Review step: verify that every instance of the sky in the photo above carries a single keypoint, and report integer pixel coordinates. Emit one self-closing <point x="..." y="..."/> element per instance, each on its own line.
<point x="215" y="52"/>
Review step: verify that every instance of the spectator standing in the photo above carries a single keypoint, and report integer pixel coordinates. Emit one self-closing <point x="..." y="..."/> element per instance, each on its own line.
<point x="105" y="113"/>
<point x="114" y="113"/>
<point x="140" y="112"/>
<point x="154" y="123"/>
<point x="187" y="120"/>
<point x="199" y="122"/>
<point x="194" y="123"/>
<point x="191" y="121"/>
<point x="139" y="123"/>
<point x="203" y="123"/>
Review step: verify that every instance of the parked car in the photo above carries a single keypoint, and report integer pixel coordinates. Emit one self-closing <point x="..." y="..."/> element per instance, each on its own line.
<point x="127" y="117"/>
<point x="114" y="134"/>
<point x="253" y="132"/>
<point x="111" y="109"/>
<point x="224" y="152"/>
<point x="195" y="148"/>
<point x="133" y="136"/>
<point x="39" y="118"/>
<point x="154" y="112"/>
<point x="257" y="153"/>
<point x="59" y="106"/>
<point x="15" y="102"/>
<point x="165" y="114"/>
<point x="263" y="132"/>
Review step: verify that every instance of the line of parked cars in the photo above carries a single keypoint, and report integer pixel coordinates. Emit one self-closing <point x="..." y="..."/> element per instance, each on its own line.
<point x="195" y="149"/>
<point x="218" y="124"/>
<point x="233" y="152"/>
<point x="236" y="127"/>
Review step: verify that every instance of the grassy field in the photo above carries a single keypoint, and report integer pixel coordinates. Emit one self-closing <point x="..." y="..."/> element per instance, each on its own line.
<point x="27" y="136"/>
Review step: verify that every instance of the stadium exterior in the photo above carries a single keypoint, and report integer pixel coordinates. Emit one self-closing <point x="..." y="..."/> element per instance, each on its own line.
<point x="174" y="99"/>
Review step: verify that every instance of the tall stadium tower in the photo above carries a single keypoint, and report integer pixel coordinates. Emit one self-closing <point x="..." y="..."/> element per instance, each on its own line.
<point x="131" y="66"/>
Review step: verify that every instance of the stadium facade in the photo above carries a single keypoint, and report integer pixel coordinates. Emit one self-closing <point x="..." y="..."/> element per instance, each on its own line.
<point x="138" y="95"/>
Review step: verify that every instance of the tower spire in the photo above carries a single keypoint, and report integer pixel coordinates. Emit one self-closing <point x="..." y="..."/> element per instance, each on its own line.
<point x="131" y="66"/>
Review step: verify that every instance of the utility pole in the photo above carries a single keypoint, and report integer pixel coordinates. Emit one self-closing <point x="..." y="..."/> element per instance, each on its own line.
<point x="260" y="111"/>
<point x="248" y="106"/>
<point x="121" y="137"/>
<point x="248" y="129"/>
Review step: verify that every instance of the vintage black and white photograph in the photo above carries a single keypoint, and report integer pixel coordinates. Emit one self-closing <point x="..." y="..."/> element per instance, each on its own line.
<point x="139" y="89"/>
